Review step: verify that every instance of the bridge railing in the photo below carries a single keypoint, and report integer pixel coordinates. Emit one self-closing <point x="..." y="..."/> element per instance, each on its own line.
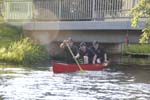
<point x="68" y="10"/>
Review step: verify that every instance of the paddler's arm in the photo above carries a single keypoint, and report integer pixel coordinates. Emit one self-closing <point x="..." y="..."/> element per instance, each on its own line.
<point x="63" y="44"/>
<point x="94" y="59"/>
<point x="106" y="62"/>
<point x="77" y="56"/>
<point x="105" y="57"/>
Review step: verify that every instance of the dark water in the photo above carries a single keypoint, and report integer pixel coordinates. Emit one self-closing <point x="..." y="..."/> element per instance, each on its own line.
<point x="116" y="83"/>
<point x="127" y="60"/>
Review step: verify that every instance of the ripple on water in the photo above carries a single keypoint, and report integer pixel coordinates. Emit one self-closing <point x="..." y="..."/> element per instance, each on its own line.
<point x="44" y="85"/>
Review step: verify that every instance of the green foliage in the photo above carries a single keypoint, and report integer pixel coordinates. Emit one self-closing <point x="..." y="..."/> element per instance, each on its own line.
<point x="19" y="50"/>
<point x="23" y="51"/>
<point x="137" y="48"/>
<point x="1" y="12"/>
<point x="8" y="34"/>
<point x="142" y="9"/>
<point x="1" y="19"/>
<point x="145" y="35"/>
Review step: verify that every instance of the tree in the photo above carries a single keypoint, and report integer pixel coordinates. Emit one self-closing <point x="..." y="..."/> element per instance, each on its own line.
<point x="142" y="9"/>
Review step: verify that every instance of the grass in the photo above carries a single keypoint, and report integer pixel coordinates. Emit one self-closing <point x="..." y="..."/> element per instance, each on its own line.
<point x="137" y="48"/>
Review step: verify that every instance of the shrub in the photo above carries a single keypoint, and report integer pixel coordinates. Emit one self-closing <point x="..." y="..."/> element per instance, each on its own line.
<point x="137" y="48"/>
<point x="23" y="51"/>
<point x="9" y="34"/>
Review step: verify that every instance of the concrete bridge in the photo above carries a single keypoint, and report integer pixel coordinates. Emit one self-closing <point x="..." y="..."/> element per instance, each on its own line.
<point x="51" y="21"/>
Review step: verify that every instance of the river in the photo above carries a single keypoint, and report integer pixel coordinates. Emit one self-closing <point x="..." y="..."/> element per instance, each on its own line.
<point x="40" y="83"/>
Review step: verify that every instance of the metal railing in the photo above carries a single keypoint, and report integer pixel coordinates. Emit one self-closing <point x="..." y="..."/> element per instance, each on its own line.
<point x="70" y="10"/>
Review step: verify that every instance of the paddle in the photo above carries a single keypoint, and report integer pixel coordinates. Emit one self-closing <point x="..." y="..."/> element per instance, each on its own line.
<point x="81" y="70"/>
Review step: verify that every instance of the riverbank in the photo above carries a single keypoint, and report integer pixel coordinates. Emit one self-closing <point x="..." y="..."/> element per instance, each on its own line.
<point x="17" y="49"/>
<point x="9" y="34"/>
<point x="137" y="50"/>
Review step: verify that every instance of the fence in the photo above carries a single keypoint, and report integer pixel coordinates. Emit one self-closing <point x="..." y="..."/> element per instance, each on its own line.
<point x="74" y="10"/>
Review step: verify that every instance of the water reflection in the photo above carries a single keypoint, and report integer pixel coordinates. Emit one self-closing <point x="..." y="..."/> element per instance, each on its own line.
<point x="128" y="60"/>
<point x="19" y="83"/>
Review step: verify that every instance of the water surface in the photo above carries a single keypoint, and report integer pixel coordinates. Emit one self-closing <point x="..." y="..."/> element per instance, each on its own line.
<point x="116" y="83"/>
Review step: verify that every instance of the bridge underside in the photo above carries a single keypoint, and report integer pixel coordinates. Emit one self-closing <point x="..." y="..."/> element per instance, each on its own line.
<point x="110" y="39"/>
<point x="103" y="36"/>
<point x="108" y="24"/>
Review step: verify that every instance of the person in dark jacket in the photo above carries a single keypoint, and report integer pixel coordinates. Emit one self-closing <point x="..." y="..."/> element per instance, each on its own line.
<point x="85" y="54"/>
<point x="67" y="55"/>
<point x="100" y="55"/>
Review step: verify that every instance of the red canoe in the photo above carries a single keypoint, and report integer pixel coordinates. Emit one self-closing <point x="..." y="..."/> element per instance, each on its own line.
<point x="65" y="68"/>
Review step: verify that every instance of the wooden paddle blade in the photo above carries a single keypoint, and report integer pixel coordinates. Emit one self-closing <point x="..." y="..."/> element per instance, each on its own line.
<point x="82" y="71"/>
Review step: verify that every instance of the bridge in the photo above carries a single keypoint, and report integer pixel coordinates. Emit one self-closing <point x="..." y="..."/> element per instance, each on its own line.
<point x="52" y="21"/>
